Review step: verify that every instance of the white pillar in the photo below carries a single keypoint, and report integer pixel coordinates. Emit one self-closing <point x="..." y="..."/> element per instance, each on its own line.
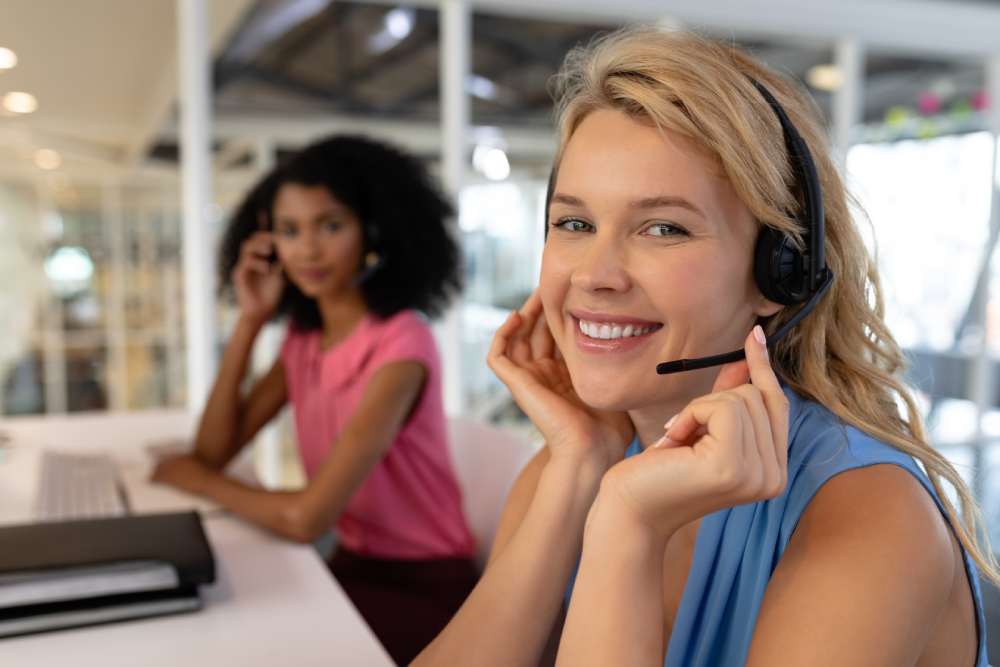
<point x="196" y="173"/>
<point x="455" y="40"/>
<point x="171" y="276"/>
<point x="981" y="379"/>
<point x="53" y="327"/>
<point x="849" y="57"/>
<point x="117" y="373"/>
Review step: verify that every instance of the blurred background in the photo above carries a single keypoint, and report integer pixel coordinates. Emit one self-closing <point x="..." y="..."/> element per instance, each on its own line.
<point x="108" y="107"/>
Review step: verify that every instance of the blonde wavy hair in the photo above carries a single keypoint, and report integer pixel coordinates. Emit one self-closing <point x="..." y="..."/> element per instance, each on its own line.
<point x="842" y="355"/>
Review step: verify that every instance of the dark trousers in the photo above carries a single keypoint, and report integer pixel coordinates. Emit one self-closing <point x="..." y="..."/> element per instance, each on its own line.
<point x="406" y="603"/>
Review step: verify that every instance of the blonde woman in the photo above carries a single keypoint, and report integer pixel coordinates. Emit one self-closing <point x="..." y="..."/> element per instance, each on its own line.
<point x="768" y="512"/>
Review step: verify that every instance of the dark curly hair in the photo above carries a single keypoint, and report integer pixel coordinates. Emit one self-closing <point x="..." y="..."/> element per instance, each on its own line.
<point x="403" y="217"/>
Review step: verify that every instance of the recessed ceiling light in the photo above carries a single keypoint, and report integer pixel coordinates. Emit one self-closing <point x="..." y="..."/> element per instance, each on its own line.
<point x="491" y="161"/>
<point x="47" y="159"/>
<point x="8" y="59"/>
<point x="399" y="22"/>
<point x="825" y="77"/>
<point x="18" y="102"/>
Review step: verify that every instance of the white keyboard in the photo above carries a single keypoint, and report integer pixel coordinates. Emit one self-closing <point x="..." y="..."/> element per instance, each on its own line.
<point x="74" y="486"/>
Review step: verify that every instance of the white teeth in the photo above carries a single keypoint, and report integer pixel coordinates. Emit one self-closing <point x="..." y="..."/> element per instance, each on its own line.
<point x="613" y="331"/>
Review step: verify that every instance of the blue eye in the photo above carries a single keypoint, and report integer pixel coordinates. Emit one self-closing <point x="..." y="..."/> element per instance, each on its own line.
<point x="664" y="230"/>
<point x="332" y="226"/>
<point x="287" y="232"/>
<point x="572" y="225"/>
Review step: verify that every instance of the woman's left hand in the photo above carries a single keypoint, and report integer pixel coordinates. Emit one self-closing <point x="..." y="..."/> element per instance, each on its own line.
<point x="724" y="449"/>
<point x="184" y="472"/>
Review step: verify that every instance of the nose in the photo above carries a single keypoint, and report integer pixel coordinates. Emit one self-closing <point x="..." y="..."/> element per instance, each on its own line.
<point x="602" y="267"/>
<point x="306" y="245"/>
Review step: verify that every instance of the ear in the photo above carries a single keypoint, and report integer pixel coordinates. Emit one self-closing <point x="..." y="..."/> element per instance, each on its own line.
<point x="763" y="307"/>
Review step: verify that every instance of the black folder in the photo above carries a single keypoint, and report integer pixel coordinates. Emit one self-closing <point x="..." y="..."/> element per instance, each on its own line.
<point x="72" y="573"/>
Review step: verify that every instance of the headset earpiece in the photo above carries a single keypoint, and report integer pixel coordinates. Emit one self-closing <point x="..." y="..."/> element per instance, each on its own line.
<point x="779" y="268"/>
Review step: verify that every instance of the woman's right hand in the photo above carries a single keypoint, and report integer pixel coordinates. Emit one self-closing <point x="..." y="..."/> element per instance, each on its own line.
<point x="258" y="281"/>
<point x="525" y="358"/>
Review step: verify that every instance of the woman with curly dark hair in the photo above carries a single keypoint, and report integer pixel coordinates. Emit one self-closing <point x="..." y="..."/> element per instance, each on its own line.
<point x="349" y="240"/>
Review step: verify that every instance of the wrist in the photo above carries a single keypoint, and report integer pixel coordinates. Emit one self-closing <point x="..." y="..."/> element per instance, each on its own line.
<point x="592" y="460"/>
<point x="250" y="323"/>
<point x="584" y="469"/>
<point x="615" y="516"/>
<point x="614" y="530"/>
<point x="201" y="480"/>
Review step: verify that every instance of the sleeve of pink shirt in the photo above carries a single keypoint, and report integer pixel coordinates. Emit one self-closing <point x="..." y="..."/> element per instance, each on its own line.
<point x="291" y="358"/>
<point x="406" y="337"/>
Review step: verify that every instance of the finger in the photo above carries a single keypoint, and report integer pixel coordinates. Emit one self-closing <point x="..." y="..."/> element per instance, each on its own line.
<point x="759" y="362"/>
<point x="260" y="266"/>
<point x="264" y="243"/>
<point x="721" y="416"/>
<point x="498" y="347"/>
<point x="510" y="373"/>
<point x="260" y="244"/>
<point x="685" y="426"/>
<point x="763" y="439"/>
<point x="763" y="378"/>
<point x="542" y="343"/>
<point x="519" y="349"/>
<point x="731" y="376"/>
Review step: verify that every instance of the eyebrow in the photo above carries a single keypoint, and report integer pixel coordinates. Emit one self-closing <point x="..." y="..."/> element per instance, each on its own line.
<point x="662" y="201"/>
<point x="330" y="213"/>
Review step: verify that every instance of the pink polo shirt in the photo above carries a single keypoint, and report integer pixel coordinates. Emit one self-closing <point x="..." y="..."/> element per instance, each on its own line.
<point x="410" y="505"/>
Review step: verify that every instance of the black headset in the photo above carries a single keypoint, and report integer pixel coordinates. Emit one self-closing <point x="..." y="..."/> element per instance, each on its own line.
<point x="784" y="274"/>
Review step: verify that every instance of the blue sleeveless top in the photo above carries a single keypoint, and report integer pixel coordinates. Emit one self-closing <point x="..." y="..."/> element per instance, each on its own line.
<point x="737" y="549"/>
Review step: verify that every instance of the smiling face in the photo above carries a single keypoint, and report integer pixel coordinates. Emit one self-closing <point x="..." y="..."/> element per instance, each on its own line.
<point x="648" y="259"/>
<point x="318" y="240"/>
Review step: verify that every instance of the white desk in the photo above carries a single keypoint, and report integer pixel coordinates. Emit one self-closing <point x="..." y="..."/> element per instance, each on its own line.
<point x="273" y="603"/>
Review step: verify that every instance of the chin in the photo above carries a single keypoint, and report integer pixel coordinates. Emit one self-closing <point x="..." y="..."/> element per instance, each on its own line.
<point x="602" y="394"/>
<point x="309" y="290"/>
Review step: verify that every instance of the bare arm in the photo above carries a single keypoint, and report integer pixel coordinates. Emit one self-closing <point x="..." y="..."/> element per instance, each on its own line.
<point x="521" y="593"/>
<point x="522" y="492"/>
<point x="230" y="420"/>
<point x="864" y="580"/>
<point x="304" y="515"/>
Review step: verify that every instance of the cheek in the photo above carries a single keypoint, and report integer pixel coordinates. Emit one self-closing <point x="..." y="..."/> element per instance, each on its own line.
<point x="343" y="249"/>
<point x="553" y="284"/>
<point x="282" y="249"/>
<point x="705" y="305"/>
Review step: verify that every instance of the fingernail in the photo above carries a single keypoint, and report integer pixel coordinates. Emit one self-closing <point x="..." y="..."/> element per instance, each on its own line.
<point x="758" y="333"/>
<point x="659" y="443"/>
<point x="670" y="422"/>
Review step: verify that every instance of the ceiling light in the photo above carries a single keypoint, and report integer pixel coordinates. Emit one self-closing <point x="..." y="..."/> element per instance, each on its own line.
<point x="70" y="270"/>
<point x="47" y="159"/>
<point x="18" y="102"/>
<point x="825" y="77"/>
<point x="399" y="22"/>
<point x="8" y="59"/>
<point x="492" y="162"/>
<point x="397" y="26"/>
<point x="481" y="87"/>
